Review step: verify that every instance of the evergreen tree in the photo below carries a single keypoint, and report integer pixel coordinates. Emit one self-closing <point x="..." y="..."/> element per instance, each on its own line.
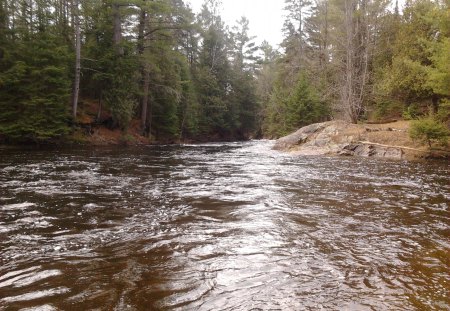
<point x="34" y="78"/>
<point x="213" y="74"/>
<point x="244" y="96"/>
<point x="288" y="111"/>
<point x="418" y="68"/>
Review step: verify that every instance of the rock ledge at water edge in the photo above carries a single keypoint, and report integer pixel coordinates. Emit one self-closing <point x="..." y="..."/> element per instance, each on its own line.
<point x="342" y="138"/>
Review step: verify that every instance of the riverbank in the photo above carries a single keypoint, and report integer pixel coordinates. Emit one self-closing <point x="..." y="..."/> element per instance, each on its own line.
<point x="97" y="129"/>
<point x="388" y="140"/>
<point x="99" y="135"/>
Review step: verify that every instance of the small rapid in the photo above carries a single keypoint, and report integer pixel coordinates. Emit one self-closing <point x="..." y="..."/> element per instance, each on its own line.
<point x="227" y="226"/>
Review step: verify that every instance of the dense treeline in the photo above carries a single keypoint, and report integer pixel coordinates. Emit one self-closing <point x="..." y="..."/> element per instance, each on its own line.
<point x="152" y="60"/>
<point x="186" y="76"/>
<point x="358" y="60"/>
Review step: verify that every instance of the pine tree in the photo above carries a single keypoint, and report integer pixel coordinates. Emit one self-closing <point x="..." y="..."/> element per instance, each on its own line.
<point x="34" y="80"/>
<point x="418" y="69"/>
<point x="243" y="80"/>
<point x="212" y="77"/>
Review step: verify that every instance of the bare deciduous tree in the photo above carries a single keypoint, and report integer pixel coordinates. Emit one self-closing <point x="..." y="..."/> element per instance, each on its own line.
<point x="355" y="62"/>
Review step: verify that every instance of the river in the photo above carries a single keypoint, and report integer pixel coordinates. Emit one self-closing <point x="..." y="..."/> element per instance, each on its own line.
<point x="233" y="226"/>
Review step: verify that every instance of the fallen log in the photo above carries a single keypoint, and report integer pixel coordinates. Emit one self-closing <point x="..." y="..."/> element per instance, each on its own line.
<point x="390" y="146"/>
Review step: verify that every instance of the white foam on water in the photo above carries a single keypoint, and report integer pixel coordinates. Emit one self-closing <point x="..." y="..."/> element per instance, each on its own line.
<point x="36" y="295"/>
<point x="29" y="278"/>
<point x="40" y="308"/>
<point x="17" y="206"/>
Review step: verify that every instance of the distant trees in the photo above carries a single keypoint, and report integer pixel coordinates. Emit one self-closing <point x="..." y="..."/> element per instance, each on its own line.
<point x="297" y="96"/>
<point x="224" y="76"/>
<point x="213" y="72"/>
<point x="244" y="64"/>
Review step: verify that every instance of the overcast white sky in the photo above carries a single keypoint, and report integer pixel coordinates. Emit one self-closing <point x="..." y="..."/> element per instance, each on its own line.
<point x="265" y="16"/>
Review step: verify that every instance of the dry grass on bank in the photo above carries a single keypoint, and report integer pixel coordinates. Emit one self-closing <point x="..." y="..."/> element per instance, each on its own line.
<point x="395" y="134"/>
<point x="90" y="132"/>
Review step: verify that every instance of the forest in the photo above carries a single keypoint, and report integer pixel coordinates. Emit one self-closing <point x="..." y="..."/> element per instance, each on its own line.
<point x="172" y="75"/>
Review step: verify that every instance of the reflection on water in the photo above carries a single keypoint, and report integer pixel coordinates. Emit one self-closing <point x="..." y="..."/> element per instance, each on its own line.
<point x="221" y="227"/>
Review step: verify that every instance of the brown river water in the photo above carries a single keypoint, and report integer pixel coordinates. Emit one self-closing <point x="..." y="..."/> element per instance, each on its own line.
<point x="231" y="226"/>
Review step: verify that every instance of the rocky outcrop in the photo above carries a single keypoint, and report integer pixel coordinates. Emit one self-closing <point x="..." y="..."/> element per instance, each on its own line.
<point x="345" y="139"/>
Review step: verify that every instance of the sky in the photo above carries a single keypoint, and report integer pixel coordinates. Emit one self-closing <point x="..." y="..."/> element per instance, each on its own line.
<point x="265" y="17"/>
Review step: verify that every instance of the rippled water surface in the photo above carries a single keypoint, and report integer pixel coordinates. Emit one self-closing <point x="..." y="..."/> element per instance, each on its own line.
<point x="221" y="227"/>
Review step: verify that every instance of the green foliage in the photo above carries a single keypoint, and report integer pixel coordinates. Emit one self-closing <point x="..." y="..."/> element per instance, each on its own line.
<point x="439" y="73"/>
<point x="356" y="54"/>
<point x="304" y="105"/>
<point x="429" y="130"/>
<point x="244" y="95"/>
<point x="34" y="90"/>
<point x="213" y="102"/>
<point x="213" y="77"/>
<point x="388" y="108"/>
<point x="171" y="94"/>
<point x="204" y="78"/>
<point x="418" y="66"/>
<point x="127" y="139"/>
<point x="412" y="112"/>
<point x="443" y="113"/>
<point x="288" y="112"/>
<point x="406" y="79"/>
<point x="120" y="91"/>
<point x="188" y="111"/>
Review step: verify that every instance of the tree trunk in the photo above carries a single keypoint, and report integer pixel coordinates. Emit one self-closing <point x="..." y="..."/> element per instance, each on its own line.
<point x="145" y="75"/>
<point x="144" y="106"/>
<point x="325" y="43"/>
<point x="3" y="15"/>
<point x="347" y="88"/>
<point x="150" y="117"/>
<point x="141" y="31"/>
<point x="435" y="103"/>
<point x="117" y="29"/>
<point x="76" y="86"/>
<point x="356" y="60"/>
<point x="300" y="32"/>
<point x="100" y="104"/>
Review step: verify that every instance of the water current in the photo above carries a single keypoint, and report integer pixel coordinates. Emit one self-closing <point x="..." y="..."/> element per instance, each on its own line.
<point x="231" y="226"/>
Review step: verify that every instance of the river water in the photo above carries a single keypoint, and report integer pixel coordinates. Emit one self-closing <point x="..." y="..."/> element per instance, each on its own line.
<point x="231" y="226"/>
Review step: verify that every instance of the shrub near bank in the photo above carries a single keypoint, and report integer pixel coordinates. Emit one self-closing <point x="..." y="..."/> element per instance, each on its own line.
<point x="430" y="131"/>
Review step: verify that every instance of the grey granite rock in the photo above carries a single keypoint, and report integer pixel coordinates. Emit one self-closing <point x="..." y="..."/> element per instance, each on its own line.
<point x="334" y="138"/>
